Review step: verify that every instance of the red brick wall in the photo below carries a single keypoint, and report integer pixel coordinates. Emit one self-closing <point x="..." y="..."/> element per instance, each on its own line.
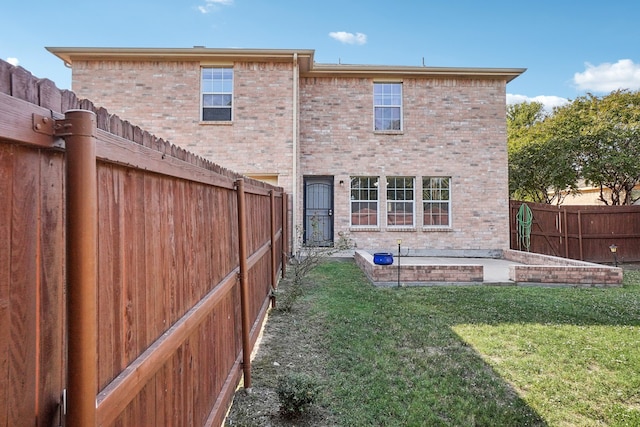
<point x="453" y="128"/>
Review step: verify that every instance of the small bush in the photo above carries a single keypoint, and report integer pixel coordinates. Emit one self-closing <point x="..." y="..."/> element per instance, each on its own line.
<point x="308" y="258"/>
<point x="296" y="393"/>
<point x="288" y="294"/>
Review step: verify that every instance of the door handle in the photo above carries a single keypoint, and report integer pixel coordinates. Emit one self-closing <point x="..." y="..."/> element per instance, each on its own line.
<point x="330" y="213"/>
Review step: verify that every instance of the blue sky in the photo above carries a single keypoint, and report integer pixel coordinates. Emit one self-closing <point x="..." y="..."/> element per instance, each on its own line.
<point x="568" y="47"/>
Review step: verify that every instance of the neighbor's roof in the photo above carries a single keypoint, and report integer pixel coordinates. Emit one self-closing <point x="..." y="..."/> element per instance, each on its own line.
<point x="304" y="58"/>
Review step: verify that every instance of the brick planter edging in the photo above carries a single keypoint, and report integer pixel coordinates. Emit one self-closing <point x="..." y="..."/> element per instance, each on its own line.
<point x="536" y="269"/>
<point x="545" y="269"/>
<point x="449" y="273"/>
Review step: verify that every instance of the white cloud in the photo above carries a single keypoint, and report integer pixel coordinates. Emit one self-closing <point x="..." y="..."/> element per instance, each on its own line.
<point x="603" y="78"/>
<point x="211" y="5"/>
<point x="548" y="102"/>
<point x="349" y="38"/>
<point x="13" y="61"/>
<point x="608" y="77"/>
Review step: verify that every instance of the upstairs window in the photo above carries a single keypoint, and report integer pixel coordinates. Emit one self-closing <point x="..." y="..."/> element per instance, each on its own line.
<point x="217" y="94"/>
<point x="387" y="106"/>
<point x="436" y="199"/>
<point x="364" y="201"/>
<point x="400" y="201"/>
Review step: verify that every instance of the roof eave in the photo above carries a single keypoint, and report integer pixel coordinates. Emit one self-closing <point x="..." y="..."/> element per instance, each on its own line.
<point x="197" y="53"/>
<point x="507" y="74"/>
<point x="304" y="58"/>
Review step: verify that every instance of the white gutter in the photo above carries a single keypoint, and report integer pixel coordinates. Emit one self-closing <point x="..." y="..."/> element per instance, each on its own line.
<point x="294" y="172"/>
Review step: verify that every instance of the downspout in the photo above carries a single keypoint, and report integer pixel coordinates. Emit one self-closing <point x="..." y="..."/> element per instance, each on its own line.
<point x="294" y="172"/>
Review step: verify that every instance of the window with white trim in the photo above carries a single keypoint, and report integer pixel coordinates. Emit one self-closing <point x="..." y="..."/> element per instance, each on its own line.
<point x="364" y="201"/>
<point x="400" y="201"/>
<point x="387" y="106"/>
<point x="436" y="200"/>
<point x="217" y="94"/>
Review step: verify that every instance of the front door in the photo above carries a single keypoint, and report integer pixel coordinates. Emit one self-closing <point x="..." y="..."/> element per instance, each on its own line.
<point x="318" y="211"/>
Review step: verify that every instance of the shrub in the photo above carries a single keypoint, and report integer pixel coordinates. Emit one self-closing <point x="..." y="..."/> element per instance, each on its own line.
<point x="308" y="258"/>
<point x="296" y="393"/>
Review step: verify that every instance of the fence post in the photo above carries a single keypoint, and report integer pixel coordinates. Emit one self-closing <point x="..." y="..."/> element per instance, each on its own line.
<point x="79" y="131"/>
<point x="566" y="235"/>
<point x="580" y="235"/>
<point x="285" y="232"/>
<point x="274" y="255"/>
<point x="244" y="284"/>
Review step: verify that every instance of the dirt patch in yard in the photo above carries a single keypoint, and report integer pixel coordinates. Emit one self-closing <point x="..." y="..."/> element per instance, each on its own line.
<point x="292" y="342"/>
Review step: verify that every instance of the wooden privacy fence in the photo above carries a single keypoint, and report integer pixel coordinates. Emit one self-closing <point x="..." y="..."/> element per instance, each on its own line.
<point x="135" y="276"/>
<point x="581" y="232"/>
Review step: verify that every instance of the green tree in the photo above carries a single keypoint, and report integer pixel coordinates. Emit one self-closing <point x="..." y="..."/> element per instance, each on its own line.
<point x="521" y="118"/>
<point x="542" y="167"/>
<point x="607" y="132"/>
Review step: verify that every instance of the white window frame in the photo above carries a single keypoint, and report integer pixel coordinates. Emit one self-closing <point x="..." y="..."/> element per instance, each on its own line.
<point x="213" y="87"/>
<point x="387" y="101"/>
<point x="407" y="199"/>
<point x="355" y="196"/>
<point x="429" y="201"/>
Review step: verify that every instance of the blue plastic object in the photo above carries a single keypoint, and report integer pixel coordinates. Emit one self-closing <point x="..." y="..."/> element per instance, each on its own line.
<point x="383" y="258"/>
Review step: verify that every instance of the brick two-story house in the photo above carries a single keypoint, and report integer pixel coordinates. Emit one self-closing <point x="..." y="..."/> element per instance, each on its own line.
<point x="378" y="152"/>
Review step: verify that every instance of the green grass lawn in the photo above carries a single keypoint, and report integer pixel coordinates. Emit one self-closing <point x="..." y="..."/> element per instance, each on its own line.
<point x="476" y="356"/>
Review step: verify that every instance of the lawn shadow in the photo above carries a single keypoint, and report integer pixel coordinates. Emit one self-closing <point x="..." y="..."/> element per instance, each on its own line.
<point x="441" y="370"/>
<point x="429" y="364"/>
<point x="567" y="315"/>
